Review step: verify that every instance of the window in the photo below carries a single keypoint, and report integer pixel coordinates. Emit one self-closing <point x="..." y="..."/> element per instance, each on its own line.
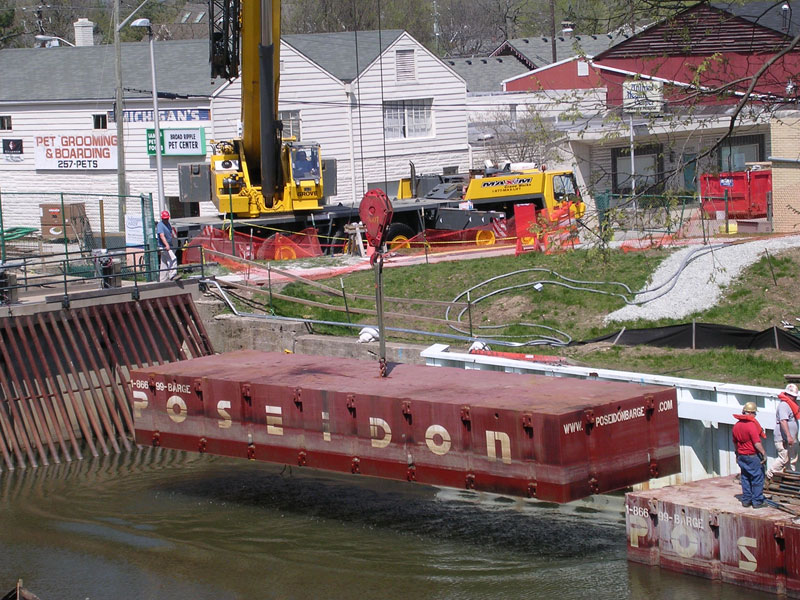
<point x="648" y="165"/>
<point x="736" y="151"/>
<point x="199" y="17"/>
<point x="5" y="122"/>
<point x="407" y="119"/>
<point x="564" y="188"/>
<point x="100" y="121"/>
<point x="186" y="17"/>
<point x="512" y="115"/>
<point x="291" y="124"/>
<point x="406" y="67"/>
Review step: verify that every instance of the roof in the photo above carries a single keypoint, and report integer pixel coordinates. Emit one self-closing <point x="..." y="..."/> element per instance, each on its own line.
<point x="486" y="74"/>
<point x="704" y="29"/>
<point x="537" y="51"/>
<point x="344" y="55"/>
<point x="768" y="14"/>
<point x="88" y="73"/>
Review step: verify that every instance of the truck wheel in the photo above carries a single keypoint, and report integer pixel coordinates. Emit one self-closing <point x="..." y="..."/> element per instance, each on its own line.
<point x="398" y="235"/>
<point x="485" y="237"/>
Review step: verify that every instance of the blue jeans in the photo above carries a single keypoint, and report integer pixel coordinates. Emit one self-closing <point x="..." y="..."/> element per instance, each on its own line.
<point x="752" y="479"/>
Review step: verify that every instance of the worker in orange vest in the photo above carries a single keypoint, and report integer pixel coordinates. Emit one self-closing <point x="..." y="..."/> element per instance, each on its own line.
<point x="750" y="455"/>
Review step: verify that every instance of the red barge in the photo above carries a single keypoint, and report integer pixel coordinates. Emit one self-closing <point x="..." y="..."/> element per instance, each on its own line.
<point x="701" y="528"/>
<point x="555" y="439"/>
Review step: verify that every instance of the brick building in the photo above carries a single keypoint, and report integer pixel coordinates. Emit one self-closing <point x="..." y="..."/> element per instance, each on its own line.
<point x="785" y="133"/>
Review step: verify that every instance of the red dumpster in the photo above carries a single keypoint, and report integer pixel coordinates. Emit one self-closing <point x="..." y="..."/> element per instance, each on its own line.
<point x="747" y="193"/>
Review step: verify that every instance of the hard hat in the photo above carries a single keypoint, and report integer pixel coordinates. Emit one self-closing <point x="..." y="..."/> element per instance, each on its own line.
<point x="791" y="389"/>
<point x="165" y="214"/>
<point x="750" y="407"/>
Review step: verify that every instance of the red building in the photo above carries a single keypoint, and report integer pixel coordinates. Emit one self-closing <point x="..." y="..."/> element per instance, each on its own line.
<point x="680" y="85"/>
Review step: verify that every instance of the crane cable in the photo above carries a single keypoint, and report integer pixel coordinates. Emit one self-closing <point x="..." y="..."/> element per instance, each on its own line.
<point x="360" y="124"/>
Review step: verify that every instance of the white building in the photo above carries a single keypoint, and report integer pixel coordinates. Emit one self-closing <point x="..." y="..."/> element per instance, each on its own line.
<point x="373" y="100"/>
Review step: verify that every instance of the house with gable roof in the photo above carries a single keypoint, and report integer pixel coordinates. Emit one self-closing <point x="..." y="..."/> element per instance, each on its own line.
<point x="373" y="100"/>
<point x="497" y="107"/>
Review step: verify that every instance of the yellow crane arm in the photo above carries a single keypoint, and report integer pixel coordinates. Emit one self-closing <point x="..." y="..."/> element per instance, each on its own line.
<point x="255" y="36"/>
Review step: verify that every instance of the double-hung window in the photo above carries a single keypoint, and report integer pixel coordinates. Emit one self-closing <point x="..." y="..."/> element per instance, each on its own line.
<point x="291" y="124"/>
<point x="404" y="119"/>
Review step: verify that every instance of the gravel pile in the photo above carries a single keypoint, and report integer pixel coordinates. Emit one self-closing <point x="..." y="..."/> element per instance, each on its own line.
<point x="700" y="284"/>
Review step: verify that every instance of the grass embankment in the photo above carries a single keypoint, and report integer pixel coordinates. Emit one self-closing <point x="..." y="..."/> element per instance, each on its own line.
<point x="507" y="306"/>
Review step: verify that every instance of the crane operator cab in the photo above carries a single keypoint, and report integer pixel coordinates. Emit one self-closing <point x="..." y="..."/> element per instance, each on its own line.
<point x="305" y="163"/>
<point x="304" y="177"/>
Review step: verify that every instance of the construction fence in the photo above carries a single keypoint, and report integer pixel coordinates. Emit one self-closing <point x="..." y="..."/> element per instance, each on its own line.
<point x="71" y="235"/>
<point x="649" y="221"/>
<point x="53" y="222"/>
<point x="78" y="227"/>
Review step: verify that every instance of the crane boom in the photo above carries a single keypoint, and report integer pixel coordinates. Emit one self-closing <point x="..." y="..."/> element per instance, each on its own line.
<point x="257" y="174"/>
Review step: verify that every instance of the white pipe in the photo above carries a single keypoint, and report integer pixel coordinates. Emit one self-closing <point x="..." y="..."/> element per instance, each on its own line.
<point x="349" y="94"/>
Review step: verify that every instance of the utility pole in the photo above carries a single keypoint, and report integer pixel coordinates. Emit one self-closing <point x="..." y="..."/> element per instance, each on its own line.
<point x="553" y="30"/>
<point x="122" y="187"/>
<point x="436" y="31"/>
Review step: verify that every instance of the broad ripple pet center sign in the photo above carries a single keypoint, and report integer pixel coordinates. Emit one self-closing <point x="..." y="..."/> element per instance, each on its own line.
<point x="178" y="142"/>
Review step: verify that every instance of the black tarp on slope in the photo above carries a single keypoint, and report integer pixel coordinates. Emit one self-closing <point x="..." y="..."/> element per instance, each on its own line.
<point x="703" y="335"/>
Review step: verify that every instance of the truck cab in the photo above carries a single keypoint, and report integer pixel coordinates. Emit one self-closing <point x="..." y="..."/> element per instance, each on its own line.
<point x="549" y="191"/>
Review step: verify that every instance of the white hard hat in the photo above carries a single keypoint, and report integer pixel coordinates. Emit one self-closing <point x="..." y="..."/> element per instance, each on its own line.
<point x="791" y="389"/>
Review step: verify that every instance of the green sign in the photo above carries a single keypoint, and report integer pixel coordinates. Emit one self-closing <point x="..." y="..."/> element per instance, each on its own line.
<point x="178" y="142"/>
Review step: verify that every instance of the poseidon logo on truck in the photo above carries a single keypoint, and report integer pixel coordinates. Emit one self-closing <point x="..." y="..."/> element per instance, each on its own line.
<point x="504" y="182"/>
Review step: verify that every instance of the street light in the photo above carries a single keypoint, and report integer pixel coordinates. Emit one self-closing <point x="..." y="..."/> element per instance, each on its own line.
<point x="51" y="38"/>
<point x="122" y="186"/>
<point x="159" y="170"/>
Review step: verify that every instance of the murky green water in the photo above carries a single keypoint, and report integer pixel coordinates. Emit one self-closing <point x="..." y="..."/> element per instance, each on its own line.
<point x="158" y="524"/>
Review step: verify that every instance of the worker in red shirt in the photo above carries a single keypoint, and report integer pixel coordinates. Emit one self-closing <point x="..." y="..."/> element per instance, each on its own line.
<point x="750" y="455"/>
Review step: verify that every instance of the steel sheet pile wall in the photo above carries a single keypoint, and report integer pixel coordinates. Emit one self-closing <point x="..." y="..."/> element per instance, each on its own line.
<point x="528" y="435"/>
<point x="64" y="375"/>
<point x="701" y="528"/>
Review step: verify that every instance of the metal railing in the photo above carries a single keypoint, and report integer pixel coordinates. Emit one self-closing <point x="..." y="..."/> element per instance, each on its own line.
<point x="675" y="215"/>
<point x="59" y="222"/>
<point x="28" y="278"/>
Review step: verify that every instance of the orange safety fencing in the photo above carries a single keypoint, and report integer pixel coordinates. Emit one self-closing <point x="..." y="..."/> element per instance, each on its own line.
<point x="545" y="231"/>
<point x="442" y="240"/>
<point x="279" y="246"/>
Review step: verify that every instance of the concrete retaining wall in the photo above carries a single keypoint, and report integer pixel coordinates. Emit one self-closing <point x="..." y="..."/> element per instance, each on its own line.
<point x="229" y="332"/>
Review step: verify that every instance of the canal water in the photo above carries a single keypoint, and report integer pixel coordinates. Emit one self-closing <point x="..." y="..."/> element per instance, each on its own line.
<point x="158" y="524"/>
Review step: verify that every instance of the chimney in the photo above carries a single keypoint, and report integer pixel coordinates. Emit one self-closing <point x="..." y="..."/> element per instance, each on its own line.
<point x="567" y="28"/>
<point x="84" y="32"/>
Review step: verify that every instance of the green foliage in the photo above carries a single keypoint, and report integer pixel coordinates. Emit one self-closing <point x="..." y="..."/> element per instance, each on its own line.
<point x="724" y="364"/>
<point x="9" y="30"/>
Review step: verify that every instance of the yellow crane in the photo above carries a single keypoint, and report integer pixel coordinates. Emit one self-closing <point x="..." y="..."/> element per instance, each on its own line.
<point x="260" y="173"/>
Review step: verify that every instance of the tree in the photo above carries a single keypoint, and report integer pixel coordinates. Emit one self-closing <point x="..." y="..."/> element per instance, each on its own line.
<point x="522" y="135"/>
<point x="9" y="31"/>
<point x="323" y="16"/>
